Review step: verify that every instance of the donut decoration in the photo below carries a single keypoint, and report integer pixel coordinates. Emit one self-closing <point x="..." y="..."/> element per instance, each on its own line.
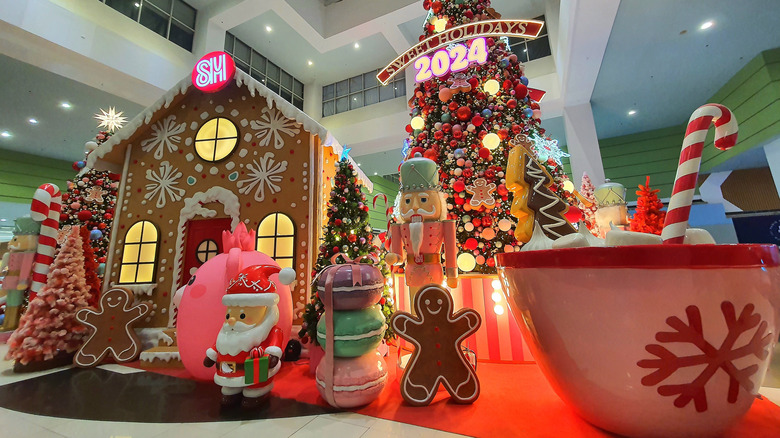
<point x="352" y="373"/>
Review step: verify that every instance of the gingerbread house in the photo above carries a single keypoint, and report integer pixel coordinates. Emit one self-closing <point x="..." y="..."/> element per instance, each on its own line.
<point x="196" y="163"/>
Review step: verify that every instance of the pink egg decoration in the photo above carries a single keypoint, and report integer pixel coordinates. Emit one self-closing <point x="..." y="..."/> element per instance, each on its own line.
<point x="201" y="313"/>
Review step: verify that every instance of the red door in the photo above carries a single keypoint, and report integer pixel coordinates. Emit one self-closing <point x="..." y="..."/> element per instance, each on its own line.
<point x="204" y="240"/>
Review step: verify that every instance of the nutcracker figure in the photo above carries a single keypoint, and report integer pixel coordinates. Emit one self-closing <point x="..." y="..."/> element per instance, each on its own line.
<point x="17" y="264"/>
<point x="423" y="230"/>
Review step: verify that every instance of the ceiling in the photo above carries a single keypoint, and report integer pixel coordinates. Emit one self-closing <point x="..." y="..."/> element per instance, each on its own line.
<point x="645" y="64"/>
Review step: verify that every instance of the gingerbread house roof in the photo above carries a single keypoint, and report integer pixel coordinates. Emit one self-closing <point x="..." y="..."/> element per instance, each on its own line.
<point x="111" y="154"/>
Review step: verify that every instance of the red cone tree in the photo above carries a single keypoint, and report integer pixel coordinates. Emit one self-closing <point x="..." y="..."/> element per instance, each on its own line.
<point x="648" y="218"/>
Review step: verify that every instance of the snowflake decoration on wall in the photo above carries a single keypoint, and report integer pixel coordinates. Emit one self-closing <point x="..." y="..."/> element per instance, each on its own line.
<point x="714" y="359"/>
<point x="164" y="184"/>
<point x="272" y="125"/>
<point x="95" y="194"/>
<point x="546" y="148"/>
<point x="265" y="172"/>
<point x="111" y="119"/>
<point x="165" y="135"/>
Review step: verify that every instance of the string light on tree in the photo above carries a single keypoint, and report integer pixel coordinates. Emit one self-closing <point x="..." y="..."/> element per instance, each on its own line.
<point x="111" y="119"/>
<point x="491" y="87"/>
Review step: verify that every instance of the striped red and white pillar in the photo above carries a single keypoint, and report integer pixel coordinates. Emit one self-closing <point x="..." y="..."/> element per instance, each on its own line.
<point x="45" y="208"/>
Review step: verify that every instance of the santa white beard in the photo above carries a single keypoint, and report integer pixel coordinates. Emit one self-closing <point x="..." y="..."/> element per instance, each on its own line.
<point x="243" y="337"/>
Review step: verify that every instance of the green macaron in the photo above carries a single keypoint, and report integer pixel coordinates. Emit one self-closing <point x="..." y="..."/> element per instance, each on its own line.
<point x="357" y="331"/>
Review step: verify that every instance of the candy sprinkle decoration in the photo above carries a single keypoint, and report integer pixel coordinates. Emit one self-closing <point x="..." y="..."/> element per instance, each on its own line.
<point x="690" y="160"/>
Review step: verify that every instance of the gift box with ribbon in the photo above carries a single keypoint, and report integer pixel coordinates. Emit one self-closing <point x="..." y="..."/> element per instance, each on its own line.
<point x="256" y="370"/>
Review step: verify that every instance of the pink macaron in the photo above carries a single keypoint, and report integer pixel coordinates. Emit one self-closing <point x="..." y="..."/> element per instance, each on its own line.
<point x="357" y="381"/>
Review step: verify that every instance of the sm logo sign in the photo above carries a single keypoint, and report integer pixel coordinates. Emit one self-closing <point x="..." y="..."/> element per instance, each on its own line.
<point x="213" y="72"/>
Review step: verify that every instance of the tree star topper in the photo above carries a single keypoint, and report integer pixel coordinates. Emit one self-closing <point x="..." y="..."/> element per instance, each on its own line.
<point x="111" y="119"/>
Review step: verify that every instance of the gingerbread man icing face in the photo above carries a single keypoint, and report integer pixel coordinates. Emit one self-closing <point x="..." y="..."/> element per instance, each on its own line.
<point x="114" y="298"/>
<point x="437" y="334"/>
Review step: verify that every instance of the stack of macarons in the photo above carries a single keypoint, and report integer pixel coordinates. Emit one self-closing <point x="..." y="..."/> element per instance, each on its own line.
<point x="359" y="372"/>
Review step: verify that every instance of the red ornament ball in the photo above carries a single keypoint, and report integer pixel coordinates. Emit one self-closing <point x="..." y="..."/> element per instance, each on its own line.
<point x="521" y="91"/>
<point x="436" y="7"/>
<point x="464" y="113"/>
<point x="458" y="186"/>
<point x="470" y="244"/>
<point x="84" y="215"/>
<point x="337" y="222"/>
<point x="484" y="153"/>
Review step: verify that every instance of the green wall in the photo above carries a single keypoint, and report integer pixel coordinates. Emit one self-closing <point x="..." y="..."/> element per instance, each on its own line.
<point x="376" y="216"/>
<point x="753" y="94"/>
<point x="21" y="174"/>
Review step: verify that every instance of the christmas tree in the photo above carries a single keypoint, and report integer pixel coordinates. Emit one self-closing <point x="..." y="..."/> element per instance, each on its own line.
<point x="464" y="122"/>
<point x="348" y="232"/>
<point x="648" y="218"/>
<point x="587" y="190"/>
<point x="49" y="329"/>
<point x="90" y="202"/>
<point x="90" y="269"/>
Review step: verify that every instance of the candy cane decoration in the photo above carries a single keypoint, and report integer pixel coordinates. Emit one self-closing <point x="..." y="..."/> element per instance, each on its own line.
<point x="45" y="208"/>
<point x="690" y="160"/>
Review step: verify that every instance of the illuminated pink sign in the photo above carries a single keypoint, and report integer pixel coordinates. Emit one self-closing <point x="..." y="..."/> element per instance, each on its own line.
<point x="213" y="72"/>
<point x="454" y="58"/>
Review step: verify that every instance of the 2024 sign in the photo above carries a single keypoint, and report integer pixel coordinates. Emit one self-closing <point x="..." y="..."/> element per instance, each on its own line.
<point x="453" y="59"/>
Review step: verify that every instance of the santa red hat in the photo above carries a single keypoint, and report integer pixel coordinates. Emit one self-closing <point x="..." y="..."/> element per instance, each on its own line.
<point x="253" y="286"/>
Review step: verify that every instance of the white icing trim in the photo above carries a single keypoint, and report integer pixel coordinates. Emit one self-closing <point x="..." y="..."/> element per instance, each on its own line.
<point x="193" y="206"/>
<point x="165" y="338"/>
<point x="360" y="288"/>
<point x="138" y="289"/>
<point x="372" y="333"/>
<point x="149" y="336"/>
<point x="352" y="388"/>
<point x="164" y="356"/>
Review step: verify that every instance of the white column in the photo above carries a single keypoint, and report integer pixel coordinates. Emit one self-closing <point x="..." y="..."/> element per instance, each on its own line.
<point x="582" y="143"/>
<point x="772" y="151"/>
<point x="312" y="100"/>
<point x="209" y="37"/>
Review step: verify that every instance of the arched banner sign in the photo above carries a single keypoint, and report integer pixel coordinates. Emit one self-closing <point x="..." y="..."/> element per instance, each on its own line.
<point x="488" y="28"/>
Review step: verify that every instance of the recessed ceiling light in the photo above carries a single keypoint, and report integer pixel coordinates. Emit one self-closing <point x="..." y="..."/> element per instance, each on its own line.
<point x="32" y="121"/>
<point x="376" y="173"/>
<point x="137" y="5"/>
<point x="311" y="63"/>
<point x="3" y="220"/>
<point x="5" y="134"/>
<point x="65" y="105"/>
<point x="268" y="28"/>
<point x="706" y="25"/>
<point x="631" y="112"/>
<point x="359" y="164"/>
<point x="357" y="46"/>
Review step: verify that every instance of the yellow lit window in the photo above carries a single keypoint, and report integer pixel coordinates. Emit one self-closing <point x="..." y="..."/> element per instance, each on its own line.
<point x="216" y="139"/>
<point x="206" y="250"/>
<point x="139" y="257"/>
<point x="276" y="238"/>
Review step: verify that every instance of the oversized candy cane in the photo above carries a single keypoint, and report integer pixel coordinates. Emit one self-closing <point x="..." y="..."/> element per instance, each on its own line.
<point x="690" y="159"/>
<point x="45" y="208"/>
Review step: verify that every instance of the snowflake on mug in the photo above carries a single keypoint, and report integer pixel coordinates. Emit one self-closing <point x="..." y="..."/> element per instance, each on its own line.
<point x="721" y="358"/>
<point x="272" y="125"/>
<point x="95" y="194"/>
<point x="265" y="172"/>
<point x="164" y="184"/>
<point x="165" y="135"/>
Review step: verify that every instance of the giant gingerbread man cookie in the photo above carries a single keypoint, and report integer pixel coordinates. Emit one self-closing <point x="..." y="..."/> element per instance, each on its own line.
<point x="437" y="358"/>
<point x="111" y="329"/>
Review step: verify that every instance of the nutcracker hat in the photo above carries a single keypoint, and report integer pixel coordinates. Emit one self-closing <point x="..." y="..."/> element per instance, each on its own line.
<point x="419" y="174"/>
<point x="252" y="287"/>
<point x="26" y="226"/>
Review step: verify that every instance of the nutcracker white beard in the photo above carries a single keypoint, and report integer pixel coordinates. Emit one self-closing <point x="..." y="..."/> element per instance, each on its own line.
<point x="243" y="337"/>
<point x="416" y="236"/>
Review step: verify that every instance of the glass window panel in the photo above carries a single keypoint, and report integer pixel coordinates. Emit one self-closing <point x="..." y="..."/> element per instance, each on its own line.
<point x="126" y="7"/>
<point x="386" y="92"/>
<point x="356" y="101"/>
<point x="538" y="48"/>
<point x="287" y="81"/>
<point x="286" y="95"/>
<point x="153" y="19"/>
<point x="241" y="51"/>
<point x="164" y="5"/>
<point x="328" y="108"/>
<point x="521" y="52"/>
<point x="273" y="72"/>
<point x="285" y="246"/>
<point x="342" y="88"/>
<point x="134" y="233"/>
<point x="148" y="252"/>
<point x="127" y="273"/>
<point x="273" y="86"/>
<point x="258" y="62"/>
<point x="342" y="104"/>
<point x="356" y="84"/>
<point x="224" y="148"/>
<point x="400" y="88"/>
<point x="284" y="225"/>
<point x="184" y="13"/>
<point x="229" y="42"/>
<point x="369" y="80"/>
<point x="226" y="128"/>
<point x="149" y="233"/>
<point x="243" y="66"/>
<point x="181" y="36"/>
<point x="208" y="130"/>
<point x="285" y="263"/>
<point x="298" y="102"/>
<point x="145" y="273"/>
<point x="329" y="92"/>
<point x="130" y="254"/>
<point x="371" y="96"/>
<point x="266" y="245"/>
<point x="267" y="227"/>
<point x="298" y="88"/>
<point x="258" y="76"/>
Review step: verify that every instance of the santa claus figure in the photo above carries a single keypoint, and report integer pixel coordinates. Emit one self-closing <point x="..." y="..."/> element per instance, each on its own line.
<point x="425" y="230"/>
<point x="249" y="347"/>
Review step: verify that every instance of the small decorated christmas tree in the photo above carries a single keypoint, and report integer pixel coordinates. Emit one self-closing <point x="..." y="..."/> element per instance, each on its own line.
<point x="648" y="218"/>
<point x="348" y="232"/>
<point x="90" y="269"/>
<point x="48" y="332"/>
<point x="587" y="190"/>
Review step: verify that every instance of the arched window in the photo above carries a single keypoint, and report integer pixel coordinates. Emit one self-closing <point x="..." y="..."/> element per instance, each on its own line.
<point x="216" y="139"/>
<point x="276" y="238"/>
<point x="139" y="257"/>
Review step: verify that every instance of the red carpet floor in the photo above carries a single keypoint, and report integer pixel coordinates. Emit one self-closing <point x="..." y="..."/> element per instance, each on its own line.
<point x="515" y="400"/>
